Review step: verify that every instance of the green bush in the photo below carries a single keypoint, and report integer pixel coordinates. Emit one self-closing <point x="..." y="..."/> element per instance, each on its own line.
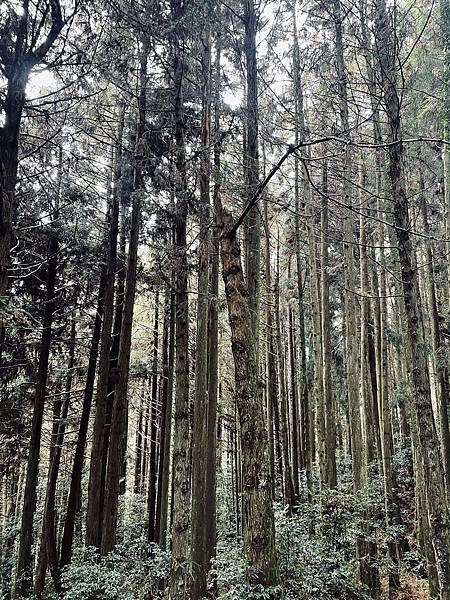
<point x="131" y="572"/>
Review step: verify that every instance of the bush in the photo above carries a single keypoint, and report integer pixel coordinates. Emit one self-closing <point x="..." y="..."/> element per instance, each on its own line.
<point x="131" y="572"/>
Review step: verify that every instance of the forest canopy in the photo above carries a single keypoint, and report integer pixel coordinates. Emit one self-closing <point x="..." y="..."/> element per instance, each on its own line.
<point x="224" y="299"/>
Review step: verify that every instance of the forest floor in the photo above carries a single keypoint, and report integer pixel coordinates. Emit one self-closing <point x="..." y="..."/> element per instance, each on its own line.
<point x="412" y="588"/>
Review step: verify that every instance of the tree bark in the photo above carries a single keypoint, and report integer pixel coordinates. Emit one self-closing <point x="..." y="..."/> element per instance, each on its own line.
<point x="251" y="162"/>
<point x="48" y="539"/>
<point x="95" y="467"/>
<point x="153" y="458"/>
<point x="178" y="585"/>
<point x="259" y="529"/>
<point x="199" y="433"/>
<point x="118" y="433"/>
<point x="168" y="352"/>
<point x="424" y="429"/>
<point x="24" y="563"/>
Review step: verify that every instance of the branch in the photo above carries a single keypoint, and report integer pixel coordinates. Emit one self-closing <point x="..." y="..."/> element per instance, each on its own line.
<point x="293" y="148"/>
<point x="35" y="56"/>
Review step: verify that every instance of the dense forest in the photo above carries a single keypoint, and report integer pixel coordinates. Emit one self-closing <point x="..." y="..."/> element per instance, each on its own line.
<point x="224" y="299"/>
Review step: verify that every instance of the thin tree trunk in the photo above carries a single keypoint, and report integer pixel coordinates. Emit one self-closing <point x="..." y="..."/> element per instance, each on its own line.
<point x="24" y="563"/>
<point x="440" y="369"/>
<point x="153" y="458"/>
<point x="168" y="352"/>
<point x="330" y="442"/>
<point x="74" y="499"/>
<point x="307" y="428"/>
<point x="48" y="540"/>
<point x="251" y="162"/>
<point x="210" y="526"/>
<point x="288" y="485"/>
<point x="118" y="433"/>
<point x="199" y="433"/>
<point x="94" y="486"/>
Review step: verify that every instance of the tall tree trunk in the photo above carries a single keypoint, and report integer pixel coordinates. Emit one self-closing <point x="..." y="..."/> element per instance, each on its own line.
<point x="330" y="411"/>
<point x="137" y="488"/>
<point x="105" y="295"/>
<point x="24" y="563"/>
<point x="440" y="369"/>
<point x="119" y="421"/>
<point x="307" y="428"/>
<point x="295" y="417"/>
<point x="48" y="540"/>
<point x="168" y="353"/>
<point x="288" y="485"/>
<point x="213" y="340"/>
<point x="358" y="456"/>
<point x="199" y="433"/>
<point x="445" y="27"/>
<point x="259" y="528"/>
<point x="153" y="458"/>
<point x="95" y="467"/>
<point x="424" y="429"/>
<point x="178" y="585"/>
<point x="253" y="225"/>
<point x="370" y="575"/>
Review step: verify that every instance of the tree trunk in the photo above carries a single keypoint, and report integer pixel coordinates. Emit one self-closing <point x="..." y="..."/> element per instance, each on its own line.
<point x="307" y="428"/>
<point x="213" y="341"/>
<point x="48" y="540"/>
<point x="118" y="433"/>
<point x="251" y="162"/>
<point x="424" y="429"/>
<point x="259" y="529"/>
<point x="153" y="458"/>
<point x="440" y="369"/>
<point x="168" y="352"/>
<point x="24" y="563"/>
<point x="95" y="467"/>
<point x="330" y="438"/>
<point x="288" y="485"/>
<point x="178" y="585"/>
<point x="199" y="433"/>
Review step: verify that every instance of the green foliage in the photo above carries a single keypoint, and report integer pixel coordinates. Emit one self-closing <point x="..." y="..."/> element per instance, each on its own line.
<point x="231" y="575"/>
<point x="315" y="554"/>
<point x="132" y="571"/>
<point x="316" y="548"/>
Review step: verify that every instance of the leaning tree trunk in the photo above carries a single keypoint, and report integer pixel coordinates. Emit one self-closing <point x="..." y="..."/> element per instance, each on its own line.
<point x="259" y="529"/>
